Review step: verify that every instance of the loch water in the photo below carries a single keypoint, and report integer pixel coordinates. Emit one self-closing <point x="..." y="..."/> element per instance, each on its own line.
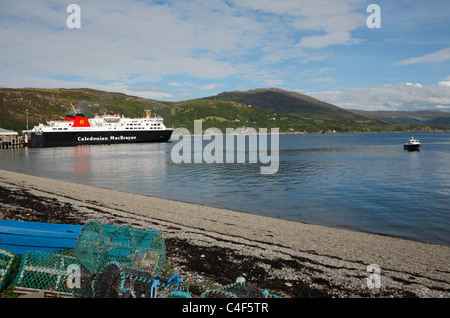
<point x="359" y="181"/>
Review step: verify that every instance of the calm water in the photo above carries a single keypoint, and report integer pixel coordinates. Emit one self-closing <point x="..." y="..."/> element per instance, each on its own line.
<point x="364" y="182"/>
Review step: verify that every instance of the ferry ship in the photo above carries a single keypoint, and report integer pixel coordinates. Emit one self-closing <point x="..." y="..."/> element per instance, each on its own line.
<point x="77" y="130"/>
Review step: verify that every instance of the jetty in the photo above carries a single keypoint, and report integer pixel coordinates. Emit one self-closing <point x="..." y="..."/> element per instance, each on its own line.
<point x="10" y="139"/>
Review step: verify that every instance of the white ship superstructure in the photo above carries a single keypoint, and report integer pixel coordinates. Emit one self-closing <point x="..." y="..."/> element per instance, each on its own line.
<point x="79" y="130"/>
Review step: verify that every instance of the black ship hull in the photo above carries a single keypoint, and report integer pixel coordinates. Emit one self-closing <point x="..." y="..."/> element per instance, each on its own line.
<point x="78" y="138"/>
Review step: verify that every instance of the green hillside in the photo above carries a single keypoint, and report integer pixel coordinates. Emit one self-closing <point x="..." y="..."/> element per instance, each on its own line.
<point x="229" y="114"/>
<point x="290" y="112"/>
<point x="48" y="104"/>
<point x="287" y="102"/>
<point x="434" y="118"/>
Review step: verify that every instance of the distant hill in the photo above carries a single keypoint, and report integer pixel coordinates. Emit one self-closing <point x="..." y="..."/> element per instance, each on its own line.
<point x="433" y="118"/>
<point x="287" y="102"/>
<point x="48" y="104"/>
<point x="261" y="108"/>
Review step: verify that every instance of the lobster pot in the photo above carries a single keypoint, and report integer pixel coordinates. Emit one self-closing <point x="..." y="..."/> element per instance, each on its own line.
<point x="6" y="261"/>
<point x="242" y="290"/>
<point x="54" y="273"/>
<point x="99" y="244"/>
<point x="117" y="281"/>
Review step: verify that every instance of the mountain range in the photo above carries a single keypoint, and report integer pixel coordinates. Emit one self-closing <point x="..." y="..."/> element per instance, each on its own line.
<point x="293" y="103"/>
<point x="422" y="117"/>
<point x="258" y="108"/>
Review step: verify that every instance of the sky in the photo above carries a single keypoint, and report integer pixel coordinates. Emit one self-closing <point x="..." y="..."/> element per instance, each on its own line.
<point x="184" y="49"/>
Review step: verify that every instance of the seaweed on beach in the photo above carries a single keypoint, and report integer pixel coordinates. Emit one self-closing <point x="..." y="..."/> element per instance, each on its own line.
<point x="20" y="204"/>
<point x="215" y="265"/>
<point x="221" y="265"/>
<point x="210" y="266"/>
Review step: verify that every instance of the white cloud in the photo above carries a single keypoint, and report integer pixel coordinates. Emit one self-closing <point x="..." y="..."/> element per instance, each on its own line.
<point x="146" y="41"/>
<point x="415" y="85"/>
<point x="435" y="57"/>
<point x="334" y="20"/>
<point x="445" y="82"/>
<point x="126" y="45"/>
<point x="119" y="42"/>
<point x="211" y="86"/>
<point x="273" y="82"/>
<point x="314" y="58"/>
<point x="404" y="96"/>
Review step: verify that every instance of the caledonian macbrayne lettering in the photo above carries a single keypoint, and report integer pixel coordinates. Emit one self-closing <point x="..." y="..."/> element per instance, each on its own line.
<point x="101" y="138"/>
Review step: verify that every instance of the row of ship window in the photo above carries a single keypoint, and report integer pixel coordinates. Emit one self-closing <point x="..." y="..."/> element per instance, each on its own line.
<point x="138" y="127"/>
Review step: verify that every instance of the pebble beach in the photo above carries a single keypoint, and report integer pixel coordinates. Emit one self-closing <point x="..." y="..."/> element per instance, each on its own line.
<point x="207" y="245"/>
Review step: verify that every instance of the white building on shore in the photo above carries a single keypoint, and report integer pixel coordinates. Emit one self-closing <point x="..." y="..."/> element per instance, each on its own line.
<point x="9" y="138"/>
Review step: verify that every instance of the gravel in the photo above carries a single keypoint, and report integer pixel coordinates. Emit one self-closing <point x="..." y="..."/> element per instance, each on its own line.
<point x="210" y="247"/>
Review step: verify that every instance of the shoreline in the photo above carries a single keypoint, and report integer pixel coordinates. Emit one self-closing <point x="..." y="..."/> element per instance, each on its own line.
<point x="300" y="259"/>
<point x="419" y="129"/>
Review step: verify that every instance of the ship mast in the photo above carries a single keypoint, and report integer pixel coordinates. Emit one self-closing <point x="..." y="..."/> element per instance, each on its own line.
<point x="73" y="108"/>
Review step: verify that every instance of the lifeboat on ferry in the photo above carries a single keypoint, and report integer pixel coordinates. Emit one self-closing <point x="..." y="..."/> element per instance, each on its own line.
<point x="111" y="118"/>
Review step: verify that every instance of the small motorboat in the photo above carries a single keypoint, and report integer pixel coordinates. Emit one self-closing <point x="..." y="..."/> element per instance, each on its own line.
<point x="412" y="144"/>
